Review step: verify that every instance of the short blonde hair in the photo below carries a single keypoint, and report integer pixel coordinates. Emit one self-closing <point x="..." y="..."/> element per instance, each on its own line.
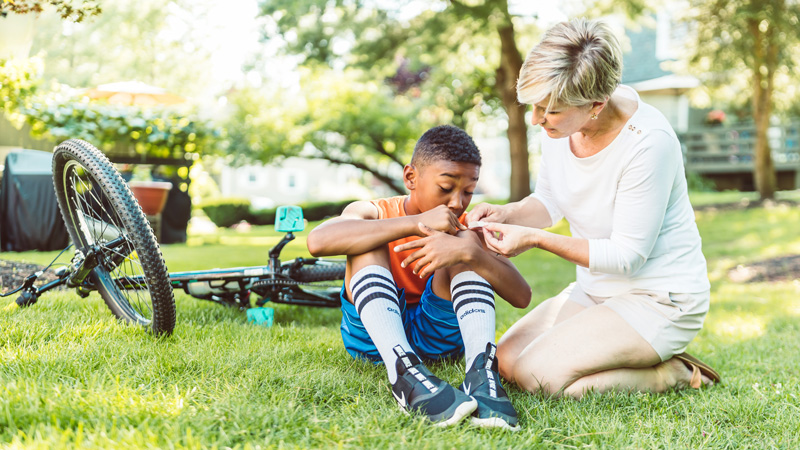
<point x="576" y="63"/>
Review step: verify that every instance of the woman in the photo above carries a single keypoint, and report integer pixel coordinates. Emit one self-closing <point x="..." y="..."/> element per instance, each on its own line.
<point x="612" y="166"/>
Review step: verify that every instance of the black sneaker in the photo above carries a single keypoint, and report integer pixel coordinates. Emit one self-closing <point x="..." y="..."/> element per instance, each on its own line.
<point x="483" y="384"/>
<point x="416" y="389"/>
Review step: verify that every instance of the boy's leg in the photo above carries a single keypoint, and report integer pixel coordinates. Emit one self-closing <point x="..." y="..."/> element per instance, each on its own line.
<point x="370" y="285"/>
<point x="372" y="290"/>
<point x="472" y="300"/>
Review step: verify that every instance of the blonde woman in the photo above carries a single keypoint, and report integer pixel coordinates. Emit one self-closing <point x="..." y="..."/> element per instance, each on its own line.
<point x="612" y="166"/>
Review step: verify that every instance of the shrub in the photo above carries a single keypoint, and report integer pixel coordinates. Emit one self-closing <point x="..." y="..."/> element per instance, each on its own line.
<point x="225" y="212"/>
<point x="319" y="210"/>
<point x="312" y="211"/>
<point x="262" y="216"/>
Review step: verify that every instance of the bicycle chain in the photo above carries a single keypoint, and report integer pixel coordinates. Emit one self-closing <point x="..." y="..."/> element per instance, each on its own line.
<point x="284" y="282"/>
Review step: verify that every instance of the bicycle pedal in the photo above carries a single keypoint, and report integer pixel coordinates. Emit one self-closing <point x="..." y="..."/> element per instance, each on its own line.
<point x="261" y="316"/>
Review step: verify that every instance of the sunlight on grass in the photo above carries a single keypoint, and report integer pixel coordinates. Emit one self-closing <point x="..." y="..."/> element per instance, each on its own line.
<point x="738" y="328"/>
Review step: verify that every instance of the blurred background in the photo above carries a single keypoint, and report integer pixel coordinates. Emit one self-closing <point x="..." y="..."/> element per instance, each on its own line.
<point x="249" y="104"/>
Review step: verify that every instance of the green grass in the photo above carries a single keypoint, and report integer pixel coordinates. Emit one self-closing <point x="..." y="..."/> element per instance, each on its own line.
<point x="73" y="376"/>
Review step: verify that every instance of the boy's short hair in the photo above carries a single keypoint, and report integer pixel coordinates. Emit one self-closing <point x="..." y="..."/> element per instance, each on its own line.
<point x="445" y="143"/>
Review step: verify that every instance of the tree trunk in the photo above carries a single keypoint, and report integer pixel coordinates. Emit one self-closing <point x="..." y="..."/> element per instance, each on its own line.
<point x="763" y="168"/>
<point x="507" y="73"/>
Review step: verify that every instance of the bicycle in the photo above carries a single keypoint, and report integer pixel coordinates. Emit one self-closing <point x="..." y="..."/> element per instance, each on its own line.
<point x="116" y="253"/>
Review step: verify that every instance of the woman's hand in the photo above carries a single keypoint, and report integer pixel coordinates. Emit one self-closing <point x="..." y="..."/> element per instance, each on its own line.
<point x="438" y="250"/>
<point x="509" y="240"/>
<point x="486" y="212"/>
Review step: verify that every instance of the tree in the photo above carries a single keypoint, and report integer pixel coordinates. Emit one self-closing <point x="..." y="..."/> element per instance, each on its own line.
<point x="460" y="44"/>
<point x="68" y="10"/>
<point x="156" y="42"/>
<point x="755" y="38"/>
<point x="334" y="118"/>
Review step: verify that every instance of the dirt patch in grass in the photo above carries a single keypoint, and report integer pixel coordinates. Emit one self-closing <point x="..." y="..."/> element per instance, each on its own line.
<point x="784" y="268"/>
<point x="13" y="274"/>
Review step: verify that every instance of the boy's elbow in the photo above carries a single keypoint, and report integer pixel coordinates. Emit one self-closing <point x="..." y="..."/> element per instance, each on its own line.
<point x="314" y="245"/>
<point x="523" y="297"/>
<point x="526" y="298"/>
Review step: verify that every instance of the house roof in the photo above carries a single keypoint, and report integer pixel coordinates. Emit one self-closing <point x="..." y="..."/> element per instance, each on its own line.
<point x="641" y="63"/>
<point x="642" y="69"/>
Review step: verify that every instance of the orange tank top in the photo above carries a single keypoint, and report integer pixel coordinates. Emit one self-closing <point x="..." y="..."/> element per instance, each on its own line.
<point x="414" y="286"/>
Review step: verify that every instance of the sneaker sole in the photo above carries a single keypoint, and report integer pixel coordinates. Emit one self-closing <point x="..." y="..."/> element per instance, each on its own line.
<point x="463" y="410"/>
<point x="493" y="422"/>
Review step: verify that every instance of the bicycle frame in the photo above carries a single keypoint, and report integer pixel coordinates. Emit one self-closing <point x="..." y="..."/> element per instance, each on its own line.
<point x="274" y="282"/>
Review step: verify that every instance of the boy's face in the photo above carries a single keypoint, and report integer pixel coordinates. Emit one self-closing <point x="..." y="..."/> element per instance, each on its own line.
<point x="442" y="183"/>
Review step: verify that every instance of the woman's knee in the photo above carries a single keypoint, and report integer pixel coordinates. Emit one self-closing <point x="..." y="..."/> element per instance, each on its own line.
<point x="538" y="374"/>
<point x="507" y="355"/>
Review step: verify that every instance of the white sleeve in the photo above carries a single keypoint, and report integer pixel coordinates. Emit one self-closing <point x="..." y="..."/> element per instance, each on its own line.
<point x="643" y="193"/>
<point x="543" y="193"/>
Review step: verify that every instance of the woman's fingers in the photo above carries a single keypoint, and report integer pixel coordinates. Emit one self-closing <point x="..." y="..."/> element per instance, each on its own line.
<point x="480" y="211"/>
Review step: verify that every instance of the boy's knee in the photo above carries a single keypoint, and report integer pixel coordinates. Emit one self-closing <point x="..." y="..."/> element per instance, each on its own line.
<point x="376" y="257"/>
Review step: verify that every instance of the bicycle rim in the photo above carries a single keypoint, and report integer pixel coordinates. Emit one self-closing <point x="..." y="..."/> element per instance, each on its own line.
<point x="98" y="208"/>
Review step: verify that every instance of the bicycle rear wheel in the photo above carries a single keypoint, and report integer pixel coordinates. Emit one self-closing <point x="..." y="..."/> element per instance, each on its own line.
<point x="98" y="208"/>
<point x="319" y="283"/>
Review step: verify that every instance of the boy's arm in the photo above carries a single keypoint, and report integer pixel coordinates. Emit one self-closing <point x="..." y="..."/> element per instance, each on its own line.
<point x="439" y="250"/>
<point x="357" y="230"/>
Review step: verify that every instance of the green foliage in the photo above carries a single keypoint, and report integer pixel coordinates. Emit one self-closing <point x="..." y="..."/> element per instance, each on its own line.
<point x="698" y="183"/>
<point x="68" y="9"/>
<point x="262" y="216"/>
<point x="120" y="130"/>
<point x="19" y="81"/>
<point x="736" y="38"/>
<point x="165" y="44"/>
<point x="335" y="117"/>
<point x="314" y="211"/>
<point x="225" y="212"/>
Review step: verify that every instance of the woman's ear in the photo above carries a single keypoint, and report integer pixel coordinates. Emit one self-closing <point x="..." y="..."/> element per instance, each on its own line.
<point x="598" y="106"/>
<point x="410" y="177"/>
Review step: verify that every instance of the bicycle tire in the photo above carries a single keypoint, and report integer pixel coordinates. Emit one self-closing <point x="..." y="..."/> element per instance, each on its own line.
<point x="329" y="271"/>
<point x="98" y="207"/>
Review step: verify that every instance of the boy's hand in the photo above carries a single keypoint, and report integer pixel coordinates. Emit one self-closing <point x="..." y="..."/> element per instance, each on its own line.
<point x="438" y="250"/>
<point x="441" y="219"/>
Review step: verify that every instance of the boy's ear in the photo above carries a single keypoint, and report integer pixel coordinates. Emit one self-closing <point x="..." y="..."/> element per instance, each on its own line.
<point x="410" y="175"/>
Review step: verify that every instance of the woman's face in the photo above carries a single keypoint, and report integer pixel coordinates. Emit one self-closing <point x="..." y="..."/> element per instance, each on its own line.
<point x="561" y="121"/>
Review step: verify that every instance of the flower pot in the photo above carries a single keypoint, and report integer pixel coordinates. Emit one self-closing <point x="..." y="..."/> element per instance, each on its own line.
<point x="151" y="195"/>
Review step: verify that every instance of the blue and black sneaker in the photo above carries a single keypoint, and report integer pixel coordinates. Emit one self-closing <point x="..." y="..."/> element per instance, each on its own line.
<point x="417" y="389"/>
<point x="483" y="384"/>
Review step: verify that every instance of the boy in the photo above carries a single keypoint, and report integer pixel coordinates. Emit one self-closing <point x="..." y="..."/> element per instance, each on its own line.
<point x="393" y="311"/>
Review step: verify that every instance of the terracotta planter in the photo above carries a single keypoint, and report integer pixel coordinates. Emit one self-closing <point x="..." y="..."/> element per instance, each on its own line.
<point x="151" y="195"/>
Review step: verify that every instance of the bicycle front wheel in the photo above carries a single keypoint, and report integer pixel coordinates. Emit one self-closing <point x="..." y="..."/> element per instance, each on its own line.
<point x="103" y="217"/>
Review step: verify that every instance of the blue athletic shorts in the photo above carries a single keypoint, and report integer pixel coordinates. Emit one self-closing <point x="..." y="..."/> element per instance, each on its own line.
<point x="431" y="327"/>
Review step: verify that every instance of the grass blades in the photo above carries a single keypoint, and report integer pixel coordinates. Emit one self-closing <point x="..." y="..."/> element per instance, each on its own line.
<point x="71" y="376"/>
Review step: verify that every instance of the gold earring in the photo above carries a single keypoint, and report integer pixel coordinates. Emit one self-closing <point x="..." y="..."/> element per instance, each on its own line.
<point x="594" y="116"/>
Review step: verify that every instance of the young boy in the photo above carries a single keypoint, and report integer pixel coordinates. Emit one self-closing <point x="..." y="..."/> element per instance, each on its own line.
<point x="394" y="311"/>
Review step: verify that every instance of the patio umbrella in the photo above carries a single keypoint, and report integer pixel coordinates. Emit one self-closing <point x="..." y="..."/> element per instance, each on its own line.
<point x="134" y="93"/>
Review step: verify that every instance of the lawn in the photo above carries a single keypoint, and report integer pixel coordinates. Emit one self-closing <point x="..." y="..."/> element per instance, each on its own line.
<point x="74" y="377"/>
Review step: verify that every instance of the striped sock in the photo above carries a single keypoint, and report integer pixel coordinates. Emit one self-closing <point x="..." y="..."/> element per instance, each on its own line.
<point x="376" y="300"/>
<point x="473" y="302"/>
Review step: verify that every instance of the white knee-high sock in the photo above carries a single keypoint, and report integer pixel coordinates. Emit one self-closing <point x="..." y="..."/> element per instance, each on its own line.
<point x="376" y="300"/>
<point x="473" y="302"/>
